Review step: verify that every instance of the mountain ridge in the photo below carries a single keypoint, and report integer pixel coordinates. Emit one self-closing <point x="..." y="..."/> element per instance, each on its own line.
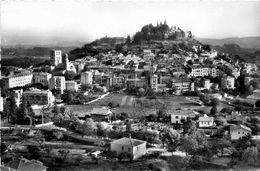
<point x="249" y="42"/>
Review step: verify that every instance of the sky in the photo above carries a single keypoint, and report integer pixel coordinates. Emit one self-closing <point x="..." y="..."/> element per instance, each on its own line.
<point x="55" y="21"/>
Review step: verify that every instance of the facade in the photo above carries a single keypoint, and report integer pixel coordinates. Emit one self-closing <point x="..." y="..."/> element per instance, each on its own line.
<point x="42" y="78"/>
<point x="179" y="115"/>
<point x="228" y="82"/>
<point x="101" y="114"/>
<point x="18" y="80"/>
<point x="86" y="78"/>
<point x="118" y="80"/>
<point x="154" y="82"/>
<point x="206" y="84"/>
<point x="38" y="97"/>
<point x="18" y="97"/>
<point x="206" y="122"/>
<point x="136" y="82"/>
<point x="136" y="148"/>
<point x="181" y="84"/>
<point x="71" y="85"/>
<point x="239" y="131"/>
<point x="201" y="71"/>
<point x="57" y="83"/>
<point x="55" y="57"/>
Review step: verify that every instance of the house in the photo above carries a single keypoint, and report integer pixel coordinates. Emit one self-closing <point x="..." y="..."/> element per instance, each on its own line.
<point x="101" y="114"/>
<point x="71" y="85"/>
<point x="239" y="131"/>
<point x="86" y="78"/>
<point x="38" y="97"/>
<point x="136" y="148"/>
<point x="205" y="121"/>
<point x="24" y="165"/>
<point x="179" y="115"/>
<point x="228" y="82"/>
<point x="203" y="70"/>
<point x="42" y="78"/>
<point x="17" y="80"/>
<point x="57" y="83"/>
<point x="181" y="84"/>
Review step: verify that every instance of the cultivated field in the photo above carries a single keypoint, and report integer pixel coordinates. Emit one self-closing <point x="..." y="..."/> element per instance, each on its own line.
<point x="135" y="106"/>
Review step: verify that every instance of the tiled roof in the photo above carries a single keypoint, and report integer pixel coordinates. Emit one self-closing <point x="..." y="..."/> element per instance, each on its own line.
<point x="128" y="141"/>
<point x="206" y="119"/>
<point x="240" y="126"/>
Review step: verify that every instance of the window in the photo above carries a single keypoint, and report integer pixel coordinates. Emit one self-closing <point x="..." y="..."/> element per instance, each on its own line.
<point x="243" y="132"/>
<point x="129" y="150"/>
<point x="238" y="132"/>
<point x="176" y="117"/>
<point x="122" y="148"/>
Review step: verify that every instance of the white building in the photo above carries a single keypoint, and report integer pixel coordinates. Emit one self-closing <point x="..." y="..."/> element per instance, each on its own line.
<point x="38" y="97"/>
<point x="201" y="71"/>
<point x="239" y="131"/>
<point x="136" y="148"/>
<point x="55" y="57"/>
<point x="154" y="82"/>
<point x="86" y="78"/>
<point x="42" y="78"/>
<point x="18" y="80"/>
<point x="206" y="122"/>
<point x="181" y="115"/>
<point x="228" y="82"/>
<point x="18" y="96"/>
<point x="71" y="85"/>
<point x="57" y="83"/>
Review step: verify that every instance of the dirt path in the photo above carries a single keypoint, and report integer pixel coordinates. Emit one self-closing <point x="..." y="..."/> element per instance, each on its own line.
<point x="123" y="102"/>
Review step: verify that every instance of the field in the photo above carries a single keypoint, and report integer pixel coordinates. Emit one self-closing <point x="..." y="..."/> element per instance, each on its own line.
<point x="135" y="106"/>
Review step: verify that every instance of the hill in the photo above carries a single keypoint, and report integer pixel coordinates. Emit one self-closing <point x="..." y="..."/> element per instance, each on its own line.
<point x="244" y="42"/>
<point x="249" y="55"/>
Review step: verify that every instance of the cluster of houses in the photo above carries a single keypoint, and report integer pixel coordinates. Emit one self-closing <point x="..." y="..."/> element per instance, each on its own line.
<point x="159" y="71"/>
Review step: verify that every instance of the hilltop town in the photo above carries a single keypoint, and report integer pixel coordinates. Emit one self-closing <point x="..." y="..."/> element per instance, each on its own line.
<point x="159" y="100"/>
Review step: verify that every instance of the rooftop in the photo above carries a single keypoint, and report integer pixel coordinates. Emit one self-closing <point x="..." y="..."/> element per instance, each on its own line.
<point x="241" y="127"/>
<point x="129" y="141"/>
<point x="206" y="119"/>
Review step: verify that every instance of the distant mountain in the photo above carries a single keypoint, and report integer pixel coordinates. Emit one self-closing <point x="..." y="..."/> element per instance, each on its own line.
<point x="243" y="42"/>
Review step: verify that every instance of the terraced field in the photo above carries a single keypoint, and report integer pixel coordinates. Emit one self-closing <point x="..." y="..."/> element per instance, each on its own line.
<point x="135" y="106"/>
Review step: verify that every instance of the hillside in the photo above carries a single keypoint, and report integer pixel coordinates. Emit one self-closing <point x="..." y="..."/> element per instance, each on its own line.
<point x="244" y="42"/>
<point x="21" y="51"/>
<point x="249" y="55"/>
<point x="150" y="36"/>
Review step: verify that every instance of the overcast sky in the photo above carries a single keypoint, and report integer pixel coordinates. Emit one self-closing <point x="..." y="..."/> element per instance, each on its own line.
<point x="86" y="21"/>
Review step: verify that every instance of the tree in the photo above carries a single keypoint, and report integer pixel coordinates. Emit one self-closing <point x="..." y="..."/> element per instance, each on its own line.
<point x="171" y="138"/>
<point x="215" y="102"/>
<point x="250" y="156"/>
<point x="213" y="111"/>
<point x="69" y="75"/>
<point x="257" y="104"/>
<point x="64" y="153"/>
<point x="128" y="127"/>
<point x="58" y="135"/>
<point x="128" y="40"/>
<point x="39" y="138"/>
<point x="67" y="97"/>
<point x="88" y="127"/>
<point x="223" y="143"/>
<point x="189" y="126"/>
<point x="195" y="143"/>
<point x="10" y="108"/>
<point x="101" y="130"/>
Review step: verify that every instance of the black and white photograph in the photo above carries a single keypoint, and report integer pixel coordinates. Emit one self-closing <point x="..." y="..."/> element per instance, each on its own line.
<point x="129" y="85"/>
